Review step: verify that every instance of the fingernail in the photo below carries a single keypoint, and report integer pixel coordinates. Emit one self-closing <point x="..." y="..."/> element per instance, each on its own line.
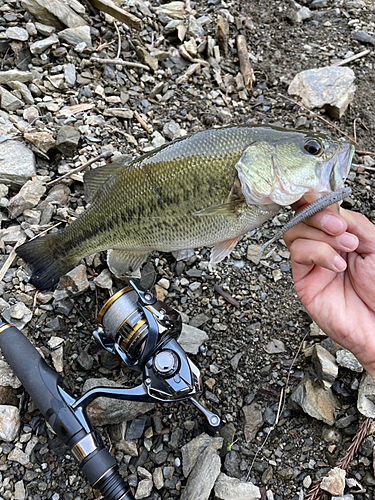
<point x="348" y="241"/>
<point x="332" y="224"/>
<point x="339" y="264"/>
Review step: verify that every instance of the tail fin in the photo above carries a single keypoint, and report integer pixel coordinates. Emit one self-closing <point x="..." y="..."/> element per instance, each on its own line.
<point x="45" y="260"/>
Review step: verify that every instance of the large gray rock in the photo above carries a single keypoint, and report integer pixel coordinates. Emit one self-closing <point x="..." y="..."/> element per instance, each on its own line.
<point x="28" y="197"/>
<point x="191" y="338"/>
<point x="27" y="96"/>
<point x="11" y="235"/>
<point x="172" y="130"/>
<point x="41" y="45"/>
<point x="146" y="58"/>
<point x="8" y="101"/>
<point x="316" y="401"/>
<point x="106" y="411"/>
<point x="16" y="33"/>
<point x="347" y="360"/>
<point x="300" y="15"/>
<point x="67" y="140"/>
<point x="157" y="477"/>
<point x="363" y="37"/>
<point x="17" y="455"/>
<point x="18" y="315"/>
<point x="128" y="447"/>
<point x="232" y="464"/>
<point x="331" y="88"/>
<point x="53" y="13"/>
<point x="315" y="331"/>
<point x="17" y="163"/>
<point x="194" y="448"/>
<point x="175" y="10"/>
<point x="104" y="280"/>
<point x="202" y="478"/>
<point x="76" y="35"/>
<point x="325" y="366"/>
<point x="70" y="74"/>
<point x="7" y="124"/>
<point x="230" y="488"/>
<point x="275" y="346"/>
<point x="41" y="141"/>
<point x="366" y="396"/>
<point x="75" y="282"/>
<point x="15" y="75"/>
<point x="20" y="491"/>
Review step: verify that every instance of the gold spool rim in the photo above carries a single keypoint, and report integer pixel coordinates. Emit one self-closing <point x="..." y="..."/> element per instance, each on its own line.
<point x="110" y="301"/>
<point x="130" y="336"/>
<point x="134" y="339"/>
<point x="5" y="326"/>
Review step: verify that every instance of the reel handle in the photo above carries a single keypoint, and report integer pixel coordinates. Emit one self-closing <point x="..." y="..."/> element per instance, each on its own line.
<point x="44" y="386"/>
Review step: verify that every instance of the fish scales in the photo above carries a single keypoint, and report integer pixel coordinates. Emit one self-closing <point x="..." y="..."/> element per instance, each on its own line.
<point x="206" y="189"/>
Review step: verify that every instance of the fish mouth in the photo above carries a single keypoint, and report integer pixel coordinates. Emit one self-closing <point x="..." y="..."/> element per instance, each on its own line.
<point x="333" y="172"/>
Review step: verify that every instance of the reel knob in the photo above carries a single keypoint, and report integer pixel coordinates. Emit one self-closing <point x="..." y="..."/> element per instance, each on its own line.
<point x="165" y="363"/>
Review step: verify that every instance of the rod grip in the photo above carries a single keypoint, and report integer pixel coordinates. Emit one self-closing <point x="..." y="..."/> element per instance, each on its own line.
<point x="42" y="383"/>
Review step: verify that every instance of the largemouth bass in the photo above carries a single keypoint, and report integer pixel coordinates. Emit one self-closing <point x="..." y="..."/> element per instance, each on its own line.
<point x="205" y="189"/>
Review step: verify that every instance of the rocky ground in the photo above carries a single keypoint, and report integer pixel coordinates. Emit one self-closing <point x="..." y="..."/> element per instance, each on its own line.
<point x="77" y="83"/>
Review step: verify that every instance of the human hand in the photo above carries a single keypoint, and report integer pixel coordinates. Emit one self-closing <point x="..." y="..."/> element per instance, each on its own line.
<point x="333" y="264"/>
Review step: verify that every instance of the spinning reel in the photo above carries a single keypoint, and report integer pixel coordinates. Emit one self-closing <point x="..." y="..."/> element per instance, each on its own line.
<point x="143" y="332"/>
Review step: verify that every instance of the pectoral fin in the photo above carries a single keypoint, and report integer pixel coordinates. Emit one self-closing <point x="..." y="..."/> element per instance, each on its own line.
<point x="125" y="263"/>
<point x="222" y="249"/>
<point x="229" y="209"/>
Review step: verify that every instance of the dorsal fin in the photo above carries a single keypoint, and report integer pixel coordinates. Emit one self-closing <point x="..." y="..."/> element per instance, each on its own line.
<point x="94" y="179"/>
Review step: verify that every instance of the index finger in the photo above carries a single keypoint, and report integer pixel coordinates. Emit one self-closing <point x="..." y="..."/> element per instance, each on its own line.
<point x="328" y="220"/>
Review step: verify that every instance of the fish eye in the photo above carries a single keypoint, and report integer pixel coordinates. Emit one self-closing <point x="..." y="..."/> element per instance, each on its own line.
<point x="313" y="147"/>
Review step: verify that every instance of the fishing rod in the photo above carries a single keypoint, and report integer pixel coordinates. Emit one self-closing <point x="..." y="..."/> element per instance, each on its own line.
<point x="143" y="331"/>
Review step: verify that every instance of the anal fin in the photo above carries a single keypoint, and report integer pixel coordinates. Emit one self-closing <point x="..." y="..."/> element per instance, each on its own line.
<point x="126" y="263"/>
<point x="222" y="249"/>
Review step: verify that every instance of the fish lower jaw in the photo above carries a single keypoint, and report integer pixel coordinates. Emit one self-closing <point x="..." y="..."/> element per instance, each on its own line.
<point x="311" y="197"/>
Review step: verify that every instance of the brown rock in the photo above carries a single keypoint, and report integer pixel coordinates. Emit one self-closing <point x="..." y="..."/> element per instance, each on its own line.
<point x="75" y="281"/>
<point x="253" y="420"/>
<point x="334" y="482"/>
<point x="44" y="141"/>
<point x="146" y="58"/>
<point x="122" y="15"/>
<point x="7" y="397"/>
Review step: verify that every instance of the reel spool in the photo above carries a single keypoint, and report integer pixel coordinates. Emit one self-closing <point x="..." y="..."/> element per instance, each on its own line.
<point x="138" y="323"/>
